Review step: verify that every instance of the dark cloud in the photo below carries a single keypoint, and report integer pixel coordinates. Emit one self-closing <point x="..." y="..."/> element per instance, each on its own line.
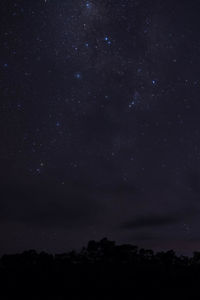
<point x="43" y="205"/>
<point x="68" y="205"/>
<point x="151" y="221"/>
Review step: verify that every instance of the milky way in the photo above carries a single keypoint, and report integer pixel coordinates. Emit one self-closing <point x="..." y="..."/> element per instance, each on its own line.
<point x="100" y="128"/>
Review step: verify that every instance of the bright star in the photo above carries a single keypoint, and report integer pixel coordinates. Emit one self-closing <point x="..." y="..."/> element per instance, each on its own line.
<point x="78" y="75"/>
<point x="88" y="4"/>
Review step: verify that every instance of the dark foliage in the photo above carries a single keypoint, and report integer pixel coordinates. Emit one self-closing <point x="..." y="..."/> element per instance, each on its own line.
<point x="100" y="265"/>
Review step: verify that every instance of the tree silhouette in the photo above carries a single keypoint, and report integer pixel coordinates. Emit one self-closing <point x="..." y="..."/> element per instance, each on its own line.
<point x="101" y="264"/>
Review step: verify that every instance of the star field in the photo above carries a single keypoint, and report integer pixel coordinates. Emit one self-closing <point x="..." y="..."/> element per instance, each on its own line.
<point x="99" y="123"/>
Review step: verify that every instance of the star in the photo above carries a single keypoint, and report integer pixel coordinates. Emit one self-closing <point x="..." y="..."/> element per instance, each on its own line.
<point x="77" y="75"/>
<point x="88" y="4"/>
<point x="132" y="104"/>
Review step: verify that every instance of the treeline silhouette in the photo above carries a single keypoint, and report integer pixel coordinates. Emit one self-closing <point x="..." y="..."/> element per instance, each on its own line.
<point x="101" y="264"/>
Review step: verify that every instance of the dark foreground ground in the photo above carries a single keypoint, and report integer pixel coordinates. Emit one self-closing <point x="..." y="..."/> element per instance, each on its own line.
<point x="102" y="270"/>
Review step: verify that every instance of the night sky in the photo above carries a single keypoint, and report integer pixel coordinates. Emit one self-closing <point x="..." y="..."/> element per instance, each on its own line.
<point x="99" y="123"/>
